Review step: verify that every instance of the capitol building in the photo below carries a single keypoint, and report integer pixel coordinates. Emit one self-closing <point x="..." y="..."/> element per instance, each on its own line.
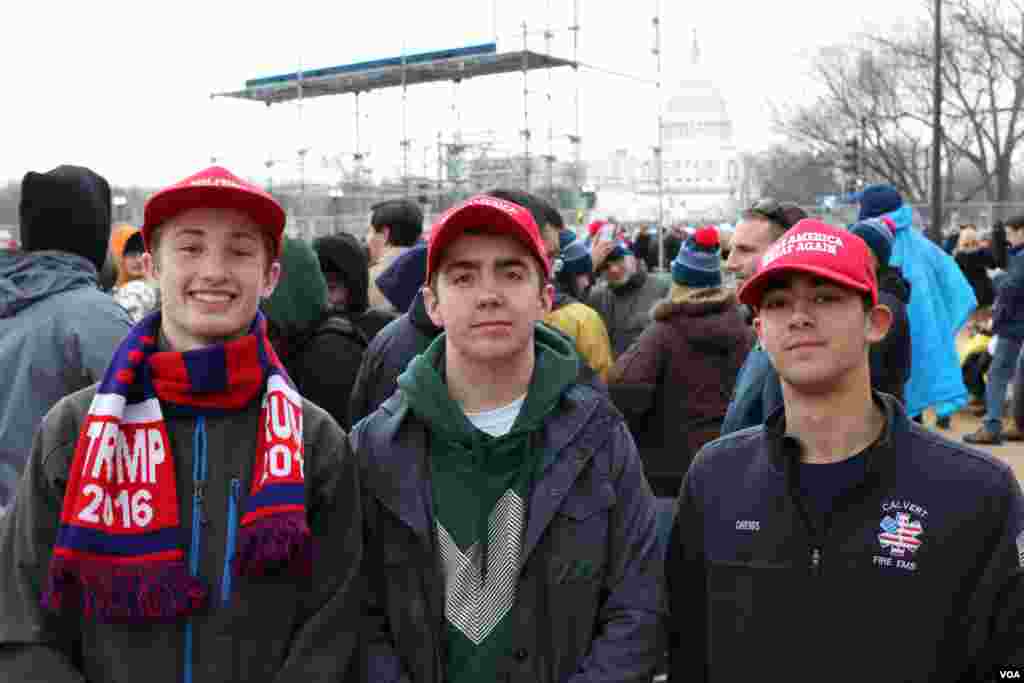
<point x="703" y="174"/>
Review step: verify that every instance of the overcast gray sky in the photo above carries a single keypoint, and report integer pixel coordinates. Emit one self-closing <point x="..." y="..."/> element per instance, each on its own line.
<point x="123" y="87"/>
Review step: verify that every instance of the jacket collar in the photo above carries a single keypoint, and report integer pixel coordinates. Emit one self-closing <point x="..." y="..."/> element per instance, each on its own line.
<point x="784" y="450"/>
<point x="400" y="475"/>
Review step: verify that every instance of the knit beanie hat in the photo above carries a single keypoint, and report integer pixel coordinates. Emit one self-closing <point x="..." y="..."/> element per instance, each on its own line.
<point x="620" y="250"/>
<point x="876" y="200"/>
<point x="68" y="209"/>
<point x="134" y="244"/>
<point x="575" y="260"/>
<point x="565" y="238"/>
<point x="698" y="262"/>
<point x="343" y="254"/>
<point x="878" y="236"/>
<point x="300" y="298"/>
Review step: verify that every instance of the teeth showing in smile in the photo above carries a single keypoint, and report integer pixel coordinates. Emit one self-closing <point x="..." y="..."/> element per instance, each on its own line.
<point x="211" y="298"/>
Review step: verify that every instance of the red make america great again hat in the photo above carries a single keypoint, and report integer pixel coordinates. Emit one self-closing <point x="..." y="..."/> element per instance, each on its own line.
<point x="490" y="214"/>
<point x="215" y="188"/>
<point x="815" y="248"/>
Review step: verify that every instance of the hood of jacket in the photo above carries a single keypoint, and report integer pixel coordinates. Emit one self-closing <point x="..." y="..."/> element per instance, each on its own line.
<point x="28" y="277"/>
<point x="696" y="302"/>
<point x="425" y="390"/>
<point x="700" y="314"/>
<point x="418" y="317"/>
<point x="343" y="254"/>
<point x="300" y="298"/>
<point x="891" y="280"/>
<point x="403" y="279"/>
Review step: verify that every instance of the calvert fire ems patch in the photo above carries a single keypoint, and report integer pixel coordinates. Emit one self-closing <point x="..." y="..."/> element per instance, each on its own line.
<point x="900" y="534"/>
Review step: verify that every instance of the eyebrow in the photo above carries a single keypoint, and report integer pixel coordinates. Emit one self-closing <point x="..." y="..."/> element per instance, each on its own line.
<point x="469" y="264"/>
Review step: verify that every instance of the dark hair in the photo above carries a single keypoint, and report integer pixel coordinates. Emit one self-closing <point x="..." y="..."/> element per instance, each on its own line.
<point x="1015" y="222"/>
<point x="781" y="215"/>
<point x="553" y="217"/>
<point x="537" y="207"/>
<point x="404" y="217"/>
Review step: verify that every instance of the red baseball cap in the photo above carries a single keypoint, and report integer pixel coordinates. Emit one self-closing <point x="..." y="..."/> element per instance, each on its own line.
<point x="816" y="248"/>
<point x="214" y="188"/>
<point x="492" y="215"/>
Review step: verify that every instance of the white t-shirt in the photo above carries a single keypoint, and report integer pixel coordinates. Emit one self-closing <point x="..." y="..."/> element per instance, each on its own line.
<point x="497" y="422"/>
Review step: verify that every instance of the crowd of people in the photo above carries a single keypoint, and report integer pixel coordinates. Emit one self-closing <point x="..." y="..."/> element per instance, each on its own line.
<point x="500" y="447"/>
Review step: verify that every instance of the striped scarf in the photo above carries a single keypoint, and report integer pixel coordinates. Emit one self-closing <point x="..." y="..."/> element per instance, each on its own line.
<point x="119" y="554"/>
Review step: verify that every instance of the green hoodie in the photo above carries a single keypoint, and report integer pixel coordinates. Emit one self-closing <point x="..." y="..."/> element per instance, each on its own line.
<point x="481" y="486"/>
<point x="300" y="298"/>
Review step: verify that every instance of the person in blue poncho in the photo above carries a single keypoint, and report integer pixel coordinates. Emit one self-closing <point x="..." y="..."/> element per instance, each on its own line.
<point x="941" y="303"/>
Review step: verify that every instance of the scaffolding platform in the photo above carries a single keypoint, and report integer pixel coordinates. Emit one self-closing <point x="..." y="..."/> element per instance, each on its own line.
<point x="424" y="67"/>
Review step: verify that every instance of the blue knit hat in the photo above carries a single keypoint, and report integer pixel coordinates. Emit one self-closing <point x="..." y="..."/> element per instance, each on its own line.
<point x="575" y="260"/>
<point x="620" y="250"/>
<point x="698" y="263"/>
<point x="565" y="238"/>
<point x="876" y="200"/>
<point x="878" y="236"/>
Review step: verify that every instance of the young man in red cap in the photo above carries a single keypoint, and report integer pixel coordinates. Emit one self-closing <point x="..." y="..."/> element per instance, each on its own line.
<point x="840" y="527"/>
<point x="190" y="518"/>
<point x="513" y="529"/>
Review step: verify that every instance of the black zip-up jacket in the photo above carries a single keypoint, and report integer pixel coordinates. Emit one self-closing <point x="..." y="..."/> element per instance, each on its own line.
<point x="916" y="576"/>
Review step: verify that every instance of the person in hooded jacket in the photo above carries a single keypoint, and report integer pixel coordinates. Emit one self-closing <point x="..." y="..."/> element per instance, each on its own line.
<point x="580" y="322"/>
<point x="400" y="341"/>
<point x="132" y="290"/>
<point x="321" y="349"/>
<point x="57" y="329"/>
<point x="513" y="530"/>
<point x="941" y="303"/>
<point x="344" y="263"/>
<point x="889" y="359"/>
<point x="674" y="383"/>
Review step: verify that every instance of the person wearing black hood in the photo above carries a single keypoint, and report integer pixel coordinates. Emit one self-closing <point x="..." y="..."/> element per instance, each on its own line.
<point x="320" y="349"/>
<point x="344" y="263"/>
<point x="401" y="340"/>
<point x="889" y="359"/>
<point x="58" y="331"/>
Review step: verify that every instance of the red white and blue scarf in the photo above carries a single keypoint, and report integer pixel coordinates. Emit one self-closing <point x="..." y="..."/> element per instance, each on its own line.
<point x="119" y="554"/>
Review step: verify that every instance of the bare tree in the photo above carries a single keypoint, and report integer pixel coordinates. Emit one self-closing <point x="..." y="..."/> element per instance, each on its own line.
<point x="982" y="67"/>
<point x="880" y="90"/>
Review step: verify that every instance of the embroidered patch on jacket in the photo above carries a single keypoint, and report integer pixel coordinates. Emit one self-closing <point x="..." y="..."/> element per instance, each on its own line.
<point x="1020" y="548"/>
<point x="475" y="604"/>
<point x="900" y="534"/>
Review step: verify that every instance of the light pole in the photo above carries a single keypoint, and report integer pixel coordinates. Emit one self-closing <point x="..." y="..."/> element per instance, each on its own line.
<point x="335" y="193"/>
<point x="119" y="201"/>
<point x="935" y="227"/>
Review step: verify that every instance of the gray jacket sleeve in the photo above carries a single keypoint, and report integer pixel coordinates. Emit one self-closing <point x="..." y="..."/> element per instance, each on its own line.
<point x="35" y="645"/>
<point x="326" y="641"/>
<point x="630" y="637"/>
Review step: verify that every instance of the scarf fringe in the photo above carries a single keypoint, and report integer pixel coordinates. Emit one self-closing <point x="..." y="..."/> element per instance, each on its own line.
<point x="274" y="544"/>
<point x="123" y="593"/>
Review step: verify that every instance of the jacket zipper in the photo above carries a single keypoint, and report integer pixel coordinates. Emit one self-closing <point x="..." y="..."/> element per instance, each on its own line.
<point x="815" y="560"/>
<point x="229" y="551"/>
<point x="198" y="521"/>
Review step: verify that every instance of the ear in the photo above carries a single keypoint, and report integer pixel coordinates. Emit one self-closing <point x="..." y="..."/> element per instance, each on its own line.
<point x="547" y="298"/>
<point x="272" y="278"/>
<point x="430" y="302"/>
<point x="759" y="329"/>
<point x="879" y="321"/>
<point x="149" y="265"/>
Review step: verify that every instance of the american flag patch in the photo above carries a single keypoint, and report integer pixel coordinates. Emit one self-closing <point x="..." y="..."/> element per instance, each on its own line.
<point x="900" y="534"/>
